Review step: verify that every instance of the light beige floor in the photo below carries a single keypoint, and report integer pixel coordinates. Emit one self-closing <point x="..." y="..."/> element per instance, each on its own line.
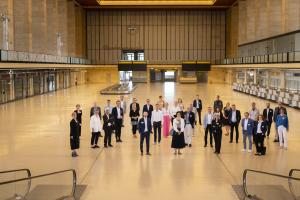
<point x="34" y="133"/>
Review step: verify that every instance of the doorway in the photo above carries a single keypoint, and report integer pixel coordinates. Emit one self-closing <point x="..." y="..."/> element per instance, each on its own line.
<point x="125" y="76"/>
<point x="160" y="75"/>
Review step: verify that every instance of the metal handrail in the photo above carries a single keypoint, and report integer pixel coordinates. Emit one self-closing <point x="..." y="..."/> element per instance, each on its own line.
<point x="48" y="174"/>
<point x="289" y="178"/>
<point x="21" y="170"/>
<point x="290" y="181"/>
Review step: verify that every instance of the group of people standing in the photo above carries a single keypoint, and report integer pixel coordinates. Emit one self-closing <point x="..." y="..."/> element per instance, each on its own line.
<point x="179" y="122"/>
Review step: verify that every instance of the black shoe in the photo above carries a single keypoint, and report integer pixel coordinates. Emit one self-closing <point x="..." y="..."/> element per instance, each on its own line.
<point x="122" y="125"/>
<point x="190" y="145"/>
<point x="148" y="154"/>
<point x="105" y="146"/>
<point x="205" y="145"/>
<point x="276" y="140"/>
<point x="186" y="145"/>
<point x="100" y="135"/>
<point x="120" y="140"/>
<point x="97" y="147"/>
<point x="230" y="141"/>
<point x="110" y="145"/>
<point x="211" y="145"/>
<point x="237" y="142"/>
<point x="93" y="147"/>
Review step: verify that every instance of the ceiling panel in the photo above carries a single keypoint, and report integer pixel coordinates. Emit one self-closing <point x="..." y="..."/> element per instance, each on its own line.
<point x="216" y="3"/>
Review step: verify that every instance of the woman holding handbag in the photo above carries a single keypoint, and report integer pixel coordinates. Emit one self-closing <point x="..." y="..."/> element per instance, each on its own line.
<point x="178" y="134"/>
<point x="134" y="116"/>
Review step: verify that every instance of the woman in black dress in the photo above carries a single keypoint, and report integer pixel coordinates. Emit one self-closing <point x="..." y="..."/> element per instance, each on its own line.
<point x="178" y="134"/>
<point x="217" y="132"/>
<point x="134" y="116"/>
<point x="74" y="134"/>
<point x="79" y="117"/>
<point x="227" y="111"/>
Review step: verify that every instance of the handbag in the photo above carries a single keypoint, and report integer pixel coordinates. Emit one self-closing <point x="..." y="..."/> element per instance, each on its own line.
<point x="171" y="133"/>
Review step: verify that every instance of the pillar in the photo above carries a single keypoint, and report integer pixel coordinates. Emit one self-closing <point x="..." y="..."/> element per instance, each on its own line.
<point x="63" y="25"/>
<point x="39" y="29"/>
<point x="255" y="77"/>
<point x="22" y="25"/>
<point x="282" y="80"/>
<point x="6" y="9"/>
<point x="71" y="29"/>
<point x="245" y="76"/>
<point x="52" y="26"/>
<point x="267" y="78"/>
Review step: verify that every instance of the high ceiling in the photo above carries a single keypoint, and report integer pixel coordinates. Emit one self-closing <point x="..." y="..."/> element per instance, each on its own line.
<point x="153" y="3"/>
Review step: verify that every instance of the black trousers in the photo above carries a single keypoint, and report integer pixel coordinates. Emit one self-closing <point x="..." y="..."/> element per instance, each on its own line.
<point x="235" y="126"/>
<point x="208" y="130"/>
<point x="80" y="130"/>
<point x="95" y="137"/>
<point x="269" y="127"/>
<point x="134" y="129"/>
<point x="199" y="115"/>
<point x="157" y="130"/>
<point x="144" y="136"/>
<point x="107" y="136"/>
<point x="259" y="142"/>
<point x="218" y="142"/>
<point x="118" y="128"/>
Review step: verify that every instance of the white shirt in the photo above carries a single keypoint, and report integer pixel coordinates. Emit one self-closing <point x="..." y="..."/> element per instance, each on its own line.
<point x="197" y="103"/>
<point x="175" y="123"/>
<point x="119" y="113"/>
<point x="233" y="116"/>
<point x="146" y="126"/>
<point x="95" y="124"/>
<point x="259" y="127"/>
<point x="209" y="118"/>
<point x="245" y="125"/>
<point x="174" y="110"/>
<point x="166" y="111"/>
<point x="268" y="113"/>
<point x="253" y="114"/>
<point x="156" y="116"/>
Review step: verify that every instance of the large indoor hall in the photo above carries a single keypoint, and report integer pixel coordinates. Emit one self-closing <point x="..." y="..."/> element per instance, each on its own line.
<point x="149" y="99"/>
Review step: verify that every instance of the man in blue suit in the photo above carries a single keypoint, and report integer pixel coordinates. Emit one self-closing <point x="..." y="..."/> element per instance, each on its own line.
<point x="247" y="127"/>
<point x="145" y="129"/>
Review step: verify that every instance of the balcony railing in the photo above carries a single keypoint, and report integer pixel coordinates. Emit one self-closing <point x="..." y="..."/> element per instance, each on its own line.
<point x="18" y="56"/>
<point x="289" y="57"/>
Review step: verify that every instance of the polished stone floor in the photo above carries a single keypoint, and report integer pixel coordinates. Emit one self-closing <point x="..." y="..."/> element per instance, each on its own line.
<point x="34" y="133"/>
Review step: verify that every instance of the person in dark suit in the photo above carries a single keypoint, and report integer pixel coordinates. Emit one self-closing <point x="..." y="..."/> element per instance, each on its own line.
<point x="74" y="134"/>
<point x="217" y="132"/>
<point x="108" y="124"/>
<point x="260" y="129"/>
<point x="234" y="121"/>
<point x="79" y="117"/>
<point x="118" y="114"/>
<point x="134" y="101"/>
<point x="218" y="103"/>
<point x="145" y="129"/>
<point x="198" y="105"/>
<point x="92" y="112"/>
<point x="268" y="116"/>
<point x="148" y="108"/>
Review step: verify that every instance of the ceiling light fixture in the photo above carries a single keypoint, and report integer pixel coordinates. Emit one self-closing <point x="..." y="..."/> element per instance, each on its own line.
<point x="156" y="2"/>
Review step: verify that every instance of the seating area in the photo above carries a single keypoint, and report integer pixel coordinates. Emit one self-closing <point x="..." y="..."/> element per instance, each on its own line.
<point x="289" y="98"/>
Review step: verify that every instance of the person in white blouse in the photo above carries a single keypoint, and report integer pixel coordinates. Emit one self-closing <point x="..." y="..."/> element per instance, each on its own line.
<point x="156" y="121"/>
<point x="166" y="119"/>
<point x="96" y="128"/>
<point x="207" y="125"/>
<point x="178" y="134"/>
<point x="254" y="112"/>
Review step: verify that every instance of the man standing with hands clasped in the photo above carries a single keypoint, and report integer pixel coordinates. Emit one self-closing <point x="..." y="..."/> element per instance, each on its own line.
<point x="145" y="128"/>
<point x="156" y="121"/>
<point x="118" y="114"/>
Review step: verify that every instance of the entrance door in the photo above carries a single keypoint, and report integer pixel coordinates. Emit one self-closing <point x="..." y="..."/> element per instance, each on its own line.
<point x="170" y="76"/>
<point x="125" y="76"/>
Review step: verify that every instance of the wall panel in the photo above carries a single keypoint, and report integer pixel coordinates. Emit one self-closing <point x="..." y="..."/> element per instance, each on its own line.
<point x="166" y="36"/>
